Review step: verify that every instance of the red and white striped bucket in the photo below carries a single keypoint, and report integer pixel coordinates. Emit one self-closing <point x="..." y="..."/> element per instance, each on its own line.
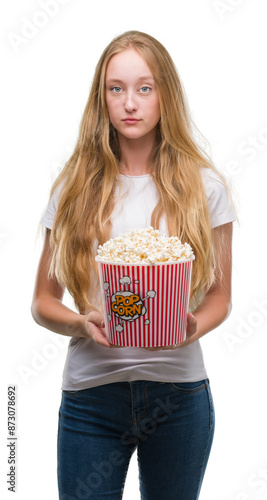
<point x="145" y="305"/>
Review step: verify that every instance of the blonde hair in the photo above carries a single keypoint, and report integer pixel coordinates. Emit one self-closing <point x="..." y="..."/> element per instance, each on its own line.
<point x="91" y="176"/>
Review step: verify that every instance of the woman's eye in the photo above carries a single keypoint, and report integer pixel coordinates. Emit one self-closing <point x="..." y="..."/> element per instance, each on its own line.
<point x="145" y="90"/>
<point x="116" y="90"/>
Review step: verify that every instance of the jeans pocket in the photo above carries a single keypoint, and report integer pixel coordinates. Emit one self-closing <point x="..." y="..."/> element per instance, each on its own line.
<point x="188" y="387"/>
<point x="72" y="394"/>
<point x="81" y="394"/>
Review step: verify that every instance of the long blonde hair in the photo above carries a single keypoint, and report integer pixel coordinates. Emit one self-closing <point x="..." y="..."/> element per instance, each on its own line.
<point x="91" y="175"/>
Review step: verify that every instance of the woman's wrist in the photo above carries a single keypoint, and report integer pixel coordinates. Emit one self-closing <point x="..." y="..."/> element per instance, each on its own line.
<point x="50" y="313"/>
<point x="76" y="327"/>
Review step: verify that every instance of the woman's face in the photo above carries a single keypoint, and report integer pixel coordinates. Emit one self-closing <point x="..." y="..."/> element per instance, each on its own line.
<point x="131" y="95"/>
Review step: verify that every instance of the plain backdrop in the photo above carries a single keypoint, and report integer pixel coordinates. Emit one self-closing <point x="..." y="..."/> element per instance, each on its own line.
<point x="49" y="51"/>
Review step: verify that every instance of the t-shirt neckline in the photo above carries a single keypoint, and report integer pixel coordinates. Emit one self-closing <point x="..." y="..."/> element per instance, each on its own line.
<point x="135" y="176"/>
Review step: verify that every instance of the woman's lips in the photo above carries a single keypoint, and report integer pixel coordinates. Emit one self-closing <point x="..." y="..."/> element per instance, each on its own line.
<point x="131" y="120"/>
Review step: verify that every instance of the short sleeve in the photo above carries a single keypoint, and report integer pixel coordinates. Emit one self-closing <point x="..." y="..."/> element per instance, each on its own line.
<point x="219" y="204"/>
<point x="49" y="215"/>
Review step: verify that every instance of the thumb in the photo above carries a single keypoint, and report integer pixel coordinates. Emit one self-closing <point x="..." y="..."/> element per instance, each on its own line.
<point x="96" y="318"/>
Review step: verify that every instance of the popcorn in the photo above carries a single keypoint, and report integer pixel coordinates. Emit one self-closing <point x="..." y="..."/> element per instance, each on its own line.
<point x="144" y="246"/>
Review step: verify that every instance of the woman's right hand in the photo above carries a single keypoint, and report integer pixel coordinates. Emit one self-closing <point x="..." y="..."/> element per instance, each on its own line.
<point x="95" y="328"/>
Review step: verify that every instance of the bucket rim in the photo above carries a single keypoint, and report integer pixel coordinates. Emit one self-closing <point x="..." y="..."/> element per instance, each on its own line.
<point x="145" y="264"/>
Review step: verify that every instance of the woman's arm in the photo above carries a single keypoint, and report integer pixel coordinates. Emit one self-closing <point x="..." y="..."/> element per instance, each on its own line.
<point x="216" y="305"/>
<point x="48" y="311"/>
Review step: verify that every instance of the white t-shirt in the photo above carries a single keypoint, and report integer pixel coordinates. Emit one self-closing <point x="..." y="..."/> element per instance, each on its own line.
<point x="89" y="364"/>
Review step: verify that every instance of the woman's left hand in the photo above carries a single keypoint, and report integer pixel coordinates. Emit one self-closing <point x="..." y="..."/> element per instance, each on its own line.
<point x="191" y="328"/>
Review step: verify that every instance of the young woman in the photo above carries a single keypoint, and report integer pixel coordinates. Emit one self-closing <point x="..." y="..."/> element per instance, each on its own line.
<point x="135" y="164"/>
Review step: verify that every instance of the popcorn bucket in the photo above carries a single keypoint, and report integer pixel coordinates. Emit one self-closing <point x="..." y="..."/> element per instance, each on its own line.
<point x="145" y="305"/>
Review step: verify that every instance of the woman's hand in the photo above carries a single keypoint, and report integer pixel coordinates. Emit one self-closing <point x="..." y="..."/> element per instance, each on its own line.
<point x="95" y="328"/>
<point x="191" y="328"/>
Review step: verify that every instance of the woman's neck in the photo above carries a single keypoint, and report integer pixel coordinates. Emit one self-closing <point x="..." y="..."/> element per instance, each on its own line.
<point x="136" y="156"/>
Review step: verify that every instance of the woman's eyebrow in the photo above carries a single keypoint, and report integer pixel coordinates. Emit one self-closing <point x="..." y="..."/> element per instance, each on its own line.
<point x="141" y="78"/>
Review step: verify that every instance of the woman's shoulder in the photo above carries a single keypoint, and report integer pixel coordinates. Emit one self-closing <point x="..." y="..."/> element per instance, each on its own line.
<point x="57" y="193"/>
<point x="212" y="182"/>
<point x="210" y="176"/>
<point x="218" y="197"/>
<point x="49" y="214"/>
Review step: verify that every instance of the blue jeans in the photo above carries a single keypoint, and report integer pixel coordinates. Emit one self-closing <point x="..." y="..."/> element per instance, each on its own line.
<point x="171" y="426"/>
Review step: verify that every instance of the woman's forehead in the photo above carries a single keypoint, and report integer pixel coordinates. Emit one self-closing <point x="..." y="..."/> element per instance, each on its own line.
<point x="128" y="63"/>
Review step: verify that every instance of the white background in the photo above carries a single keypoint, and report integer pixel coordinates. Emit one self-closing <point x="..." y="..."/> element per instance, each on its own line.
<point x="219" y="49"/>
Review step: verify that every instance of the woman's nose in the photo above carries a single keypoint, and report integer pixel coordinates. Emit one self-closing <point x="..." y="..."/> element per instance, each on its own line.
<point x="130" y="102"/>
